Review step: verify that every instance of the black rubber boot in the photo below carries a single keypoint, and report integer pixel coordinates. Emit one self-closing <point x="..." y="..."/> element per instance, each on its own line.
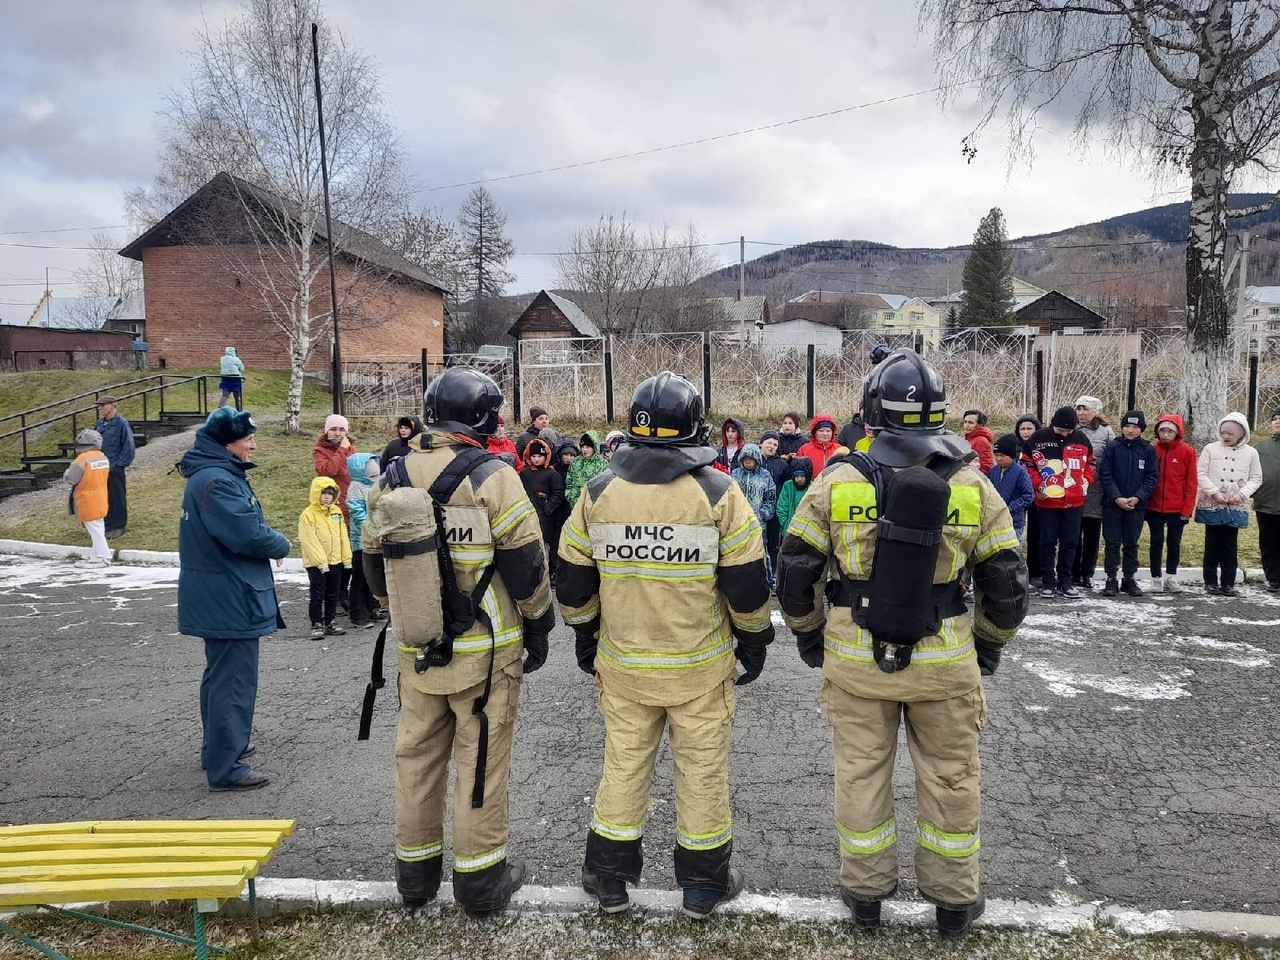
<point x="955" y="921"/>
<point x="490" y="890"/>
<point x="611" y="892"/>
<point x="866" y="913"/>
<point x="1112" y="589"/>
<point x="418" y="881"/>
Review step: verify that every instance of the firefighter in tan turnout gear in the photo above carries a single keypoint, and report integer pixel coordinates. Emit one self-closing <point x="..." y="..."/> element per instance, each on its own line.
<point x="459" y="689"/>
<point x="661" y="568"/>
<point x="898" y="647"/>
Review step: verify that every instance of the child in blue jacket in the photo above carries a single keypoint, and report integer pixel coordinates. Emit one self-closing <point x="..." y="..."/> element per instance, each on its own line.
<point x="1011" y="480"/>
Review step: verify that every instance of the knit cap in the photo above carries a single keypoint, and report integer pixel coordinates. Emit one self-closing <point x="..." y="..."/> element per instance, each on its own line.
<point x="335" y="420"/>
<point x="1065" y="418"/>
<point x="1135" y="418"/>
<point x="1093" y="403"/>
<point x="89" y="439"/>
<point x="226" y="425"/>
<point x="535" y="413"/>
<point x="1008" y="445"/>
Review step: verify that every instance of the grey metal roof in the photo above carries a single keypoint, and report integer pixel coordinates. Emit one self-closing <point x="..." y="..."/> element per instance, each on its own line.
<point x="748" y="310"/>
<point x="131" y="307"/>
<point x="573" y="313"/>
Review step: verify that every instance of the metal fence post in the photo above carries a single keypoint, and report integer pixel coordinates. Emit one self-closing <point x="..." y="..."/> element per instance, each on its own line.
<point x="1133" y="384"/>
<point x="608" y="380"/>
<point x="517" y="388"/>
<point x="706" y="370"/>
<point x="1040" y="386"/>
<point x="1253" y="389"/>
<point x="425" y="371"/>
<point x="811" y="381"/>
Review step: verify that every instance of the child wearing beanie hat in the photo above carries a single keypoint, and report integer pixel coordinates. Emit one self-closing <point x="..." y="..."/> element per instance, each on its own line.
<point x="1061" y="471"/>
<point x="1128" y="478"/>
<point x="1011" y="480"/>
<point x="1094" y="426"/>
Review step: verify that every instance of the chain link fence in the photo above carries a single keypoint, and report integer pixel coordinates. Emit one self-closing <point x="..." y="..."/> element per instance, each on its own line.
<point x="995" y="370"/>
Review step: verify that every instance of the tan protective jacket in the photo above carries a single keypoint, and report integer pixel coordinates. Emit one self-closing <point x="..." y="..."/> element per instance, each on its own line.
<point x="943" y="665"/>
<point x="489" y="520"/>
<point x="674" y="570"/>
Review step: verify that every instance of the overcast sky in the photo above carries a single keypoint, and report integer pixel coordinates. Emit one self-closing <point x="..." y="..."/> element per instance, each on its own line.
<point x="501" y="87"/>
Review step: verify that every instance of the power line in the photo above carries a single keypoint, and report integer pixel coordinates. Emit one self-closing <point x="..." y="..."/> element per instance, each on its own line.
<point x="14" y="233"/>
<point x="700" y="140"/>
<point x="43" y="246"/>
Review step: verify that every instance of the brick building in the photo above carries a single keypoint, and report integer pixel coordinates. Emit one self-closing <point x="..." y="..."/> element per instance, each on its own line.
<point x="207" y="284"/>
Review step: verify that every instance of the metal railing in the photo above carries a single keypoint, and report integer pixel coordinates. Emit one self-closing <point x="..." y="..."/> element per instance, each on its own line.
<point x="152" y="397"/>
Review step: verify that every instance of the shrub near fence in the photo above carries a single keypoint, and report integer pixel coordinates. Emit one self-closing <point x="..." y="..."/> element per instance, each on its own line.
<point x="994" y="370"/>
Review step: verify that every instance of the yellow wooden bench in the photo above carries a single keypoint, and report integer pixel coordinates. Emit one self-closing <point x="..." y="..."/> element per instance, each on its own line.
<point x="46" y="865"/>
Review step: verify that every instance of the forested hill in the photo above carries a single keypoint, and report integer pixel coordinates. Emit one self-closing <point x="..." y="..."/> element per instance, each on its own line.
<point x="1169" y="222"/>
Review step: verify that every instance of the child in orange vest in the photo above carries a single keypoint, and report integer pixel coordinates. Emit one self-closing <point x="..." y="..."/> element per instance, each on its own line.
<point x="87" y="501"/>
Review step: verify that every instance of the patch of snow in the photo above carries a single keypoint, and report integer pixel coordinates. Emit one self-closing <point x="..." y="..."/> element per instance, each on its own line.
<point x="1069" y="685"/>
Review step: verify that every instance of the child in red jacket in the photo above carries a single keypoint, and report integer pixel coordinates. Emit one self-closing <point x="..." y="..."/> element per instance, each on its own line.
<point x="1174" y="500"/>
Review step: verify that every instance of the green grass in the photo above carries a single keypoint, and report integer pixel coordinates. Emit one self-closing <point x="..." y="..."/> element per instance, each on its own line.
<point x="265" y="393"/>
<point x="638" y="935"/>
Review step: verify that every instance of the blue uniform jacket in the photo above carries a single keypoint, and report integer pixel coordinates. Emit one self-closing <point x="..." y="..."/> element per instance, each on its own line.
<point x="1128" y="470"/>
<point x="225" y="586"/>
<point x="117" y="440"/>
<point x="1014" y="486"/>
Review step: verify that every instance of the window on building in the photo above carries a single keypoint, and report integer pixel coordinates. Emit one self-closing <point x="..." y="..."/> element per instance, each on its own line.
<point x="888" y="316"/>
<point x="917" y="317"/>
<point x="1274" y="311"/>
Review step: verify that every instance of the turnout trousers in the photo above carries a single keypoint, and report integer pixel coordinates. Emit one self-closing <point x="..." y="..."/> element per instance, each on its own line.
<point x="433" y="728"/>
<point x="942" y="736"/>
<point x="700" y="732"/>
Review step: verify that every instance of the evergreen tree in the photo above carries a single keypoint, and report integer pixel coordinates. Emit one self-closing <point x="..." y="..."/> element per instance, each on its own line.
<point x="953" y="319"/>
<point x="987" y="300"/>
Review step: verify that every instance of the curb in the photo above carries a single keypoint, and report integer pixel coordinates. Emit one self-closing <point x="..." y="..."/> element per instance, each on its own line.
<point x="159" y="558"/>
<point x="284" y="896"/>
<point x="144" y="558"/>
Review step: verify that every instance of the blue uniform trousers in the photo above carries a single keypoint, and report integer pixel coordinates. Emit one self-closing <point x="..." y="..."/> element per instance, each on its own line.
<point x="228" y="691"/>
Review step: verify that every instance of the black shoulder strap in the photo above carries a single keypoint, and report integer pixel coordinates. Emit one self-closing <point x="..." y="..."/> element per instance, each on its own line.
<point x="463" y="462"/>
<point x="376" y="682"/>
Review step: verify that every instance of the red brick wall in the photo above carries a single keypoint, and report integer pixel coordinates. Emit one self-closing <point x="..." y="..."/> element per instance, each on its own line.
<point x="195" y="309"/>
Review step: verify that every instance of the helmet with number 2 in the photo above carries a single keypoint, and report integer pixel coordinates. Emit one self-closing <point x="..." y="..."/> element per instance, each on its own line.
<point x="666" y="410"/>
<point x="904" y="395"/>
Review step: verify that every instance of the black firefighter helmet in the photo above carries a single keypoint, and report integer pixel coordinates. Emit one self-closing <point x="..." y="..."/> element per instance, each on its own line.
<point x="667" y="410"/>
<point x="905" y="403"/>
<point x="463" y="400"/>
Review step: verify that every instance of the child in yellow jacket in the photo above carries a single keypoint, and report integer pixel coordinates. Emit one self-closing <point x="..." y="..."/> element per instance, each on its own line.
<point x="326" y="549"/>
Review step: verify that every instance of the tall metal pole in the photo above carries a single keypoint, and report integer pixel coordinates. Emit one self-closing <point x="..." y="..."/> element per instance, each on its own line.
<point x="1240" y="326"/>
<point x="336" y="376"/>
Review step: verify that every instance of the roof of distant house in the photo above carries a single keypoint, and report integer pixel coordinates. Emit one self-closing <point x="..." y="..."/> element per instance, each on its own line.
<point x="574" y="314"/>
<point x="353" y="242"/>
<point x="132" y="306"/>
<point x="1262" y="294"/>
<point x="69" y="313"/>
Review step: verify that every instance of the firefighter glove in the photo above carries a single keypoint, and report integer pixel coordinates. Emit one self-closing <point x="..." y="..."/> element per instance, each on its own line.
<point x="585" y="648"/>
<point x="535" y="648"/>
<point x="988" y="656"/>
<point x="752" y="659"/>
<point x="810" y="644"/>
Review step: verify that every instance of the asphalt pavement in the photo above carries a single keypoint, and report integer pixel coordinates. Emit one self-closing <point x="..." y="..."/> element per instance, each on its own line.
<point x="1130" y="756"/>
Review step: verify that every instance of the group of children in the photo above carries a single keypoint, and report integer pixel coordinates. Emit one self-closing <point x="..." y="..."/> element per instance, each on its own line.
<point x="1050" y="476"/>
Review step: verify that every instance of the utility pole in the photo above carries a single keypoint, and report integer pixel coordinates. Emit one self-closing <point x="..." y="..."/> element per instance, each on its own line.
<point x="742" y="267"/>
<point x="1242" y="336"/>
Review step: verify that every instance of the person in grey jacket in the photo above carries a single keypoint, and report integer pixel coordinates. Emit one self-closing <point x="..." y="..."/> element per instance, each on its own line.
<point x="1094" y="426"/>
<point x="231" y="367"/>
<point x="117" y="444"/>
<point x="226" y="590"/>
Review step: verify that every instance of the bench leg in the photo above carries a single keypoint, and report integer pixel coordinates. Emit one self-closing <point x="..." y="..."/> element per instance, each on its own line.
<point x="253" y="912"/>
<point x="198" y="941"/>
<point x="54" y="954"/>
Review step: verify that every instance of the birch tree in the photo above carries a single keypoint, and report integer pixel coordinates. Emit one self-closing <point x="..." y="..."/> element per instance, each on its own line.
<point x="248" y="108"/>
<point x="1191" y="87"/>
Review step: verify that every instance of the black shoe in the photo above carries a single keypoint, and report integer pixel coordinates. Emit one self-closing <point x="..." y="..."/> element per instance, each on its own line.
<point x="248" y="752"/>
<point x="610" y="891"/>
<point x="866" y="913"/>
<point x="1273" y="586"/>
<point x="954" y="921"/>
<point x="333" y="630"/>
<point x="1229" y="592"/>
<point x="1084" y="583"/>
<point x="1130" y="586"/>
<point x="418" y="881"/>
<point x="698" y="904"/>
<point x="380" y="614"/>
<point x="1213" y="590"/>
<point x="1112" y="589"/>
<point x="1047" y="593"/>
<point x="1071" y="593"/>
<point x="501" y="896"/>
<point x="250" y="781"/>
